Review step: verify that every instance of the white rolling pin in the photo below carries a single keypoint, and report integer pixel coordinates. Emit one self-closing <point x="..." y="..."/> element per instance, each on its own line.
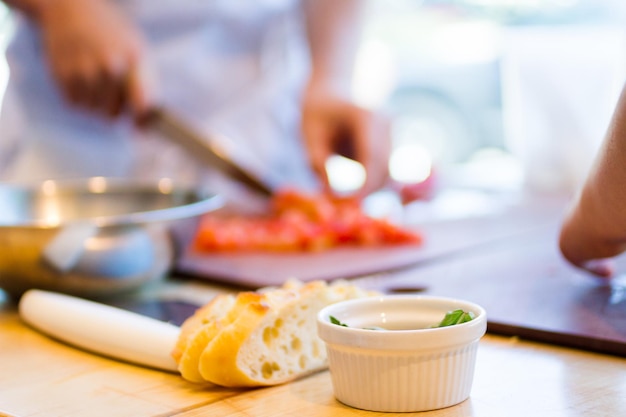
<point x="100" y="328"/>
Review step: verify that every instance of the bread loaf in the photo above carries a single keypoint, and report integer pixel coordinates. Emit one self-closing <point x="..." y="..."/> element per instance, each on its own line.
<point x="259" y="338"/>
<point x="197" y="331"/>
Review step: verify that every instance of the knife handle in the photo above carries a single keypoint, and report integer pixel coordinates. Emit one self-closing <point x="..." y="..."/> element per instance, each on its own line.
<point x="100" y="328"/>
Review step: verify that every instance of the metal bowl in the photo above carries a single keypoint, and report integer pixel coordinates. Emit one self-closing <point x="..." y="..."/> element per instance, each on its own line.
<point x="92" y="237"/>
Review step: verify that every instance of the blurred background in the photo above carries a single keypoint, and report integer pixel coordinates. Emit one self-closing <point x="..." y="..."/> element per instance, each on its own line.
<point x="492" y="95"/>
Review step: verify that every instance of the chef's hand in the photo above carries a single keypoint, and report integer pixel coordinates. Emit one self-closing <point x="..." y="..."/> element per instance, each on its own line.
<point x="95" y="55"/>
<point x="333" y="125"/>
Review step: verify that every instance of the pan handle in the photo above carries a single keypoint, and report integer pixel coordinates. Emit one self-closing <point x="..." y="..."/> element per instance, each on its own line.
<point x="100" y="328"/>
<point x="67" y="246"/>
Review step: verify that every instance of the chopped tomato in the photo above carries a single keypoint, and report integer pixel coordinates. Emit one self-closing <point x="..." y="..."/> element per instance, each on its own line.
<point x="301" y="222"/>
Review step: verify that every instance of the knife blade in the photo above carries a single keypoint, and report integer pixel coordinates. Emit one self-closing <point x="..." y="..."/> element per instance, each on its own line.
<point x="203" y="149"/>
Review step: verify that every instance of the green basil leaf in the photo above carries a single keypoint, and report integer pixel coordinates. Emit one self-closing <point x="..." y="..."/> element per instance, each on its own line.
<point x="455" y="317"/>
<point x="334" y="320"/>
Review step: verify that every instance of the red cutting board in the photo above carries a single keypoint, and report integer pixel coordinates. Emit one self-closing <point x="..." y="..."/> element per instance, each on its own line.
<point x="443" y="238"/>
<point x="507" y="262"/>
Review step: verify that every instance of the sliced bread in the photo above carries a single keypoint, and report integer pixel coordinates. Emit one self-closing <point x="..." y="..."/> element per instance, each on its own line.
<point x="265" y="338"/>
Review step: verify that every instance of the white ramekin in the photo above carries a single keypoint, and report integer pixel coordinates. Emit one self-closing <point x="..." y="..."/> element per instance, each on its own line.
<point x="414" y="369"/>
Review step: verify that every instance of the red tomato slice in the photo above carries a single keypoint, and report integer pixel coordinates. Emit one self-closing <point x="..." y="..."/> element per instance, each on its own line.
<point x="301" y="222"/>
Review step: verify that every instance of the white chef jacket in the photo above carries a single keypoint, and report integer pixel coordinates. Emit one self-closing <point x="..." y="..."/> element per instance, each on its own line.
<point x="235" y="67"/>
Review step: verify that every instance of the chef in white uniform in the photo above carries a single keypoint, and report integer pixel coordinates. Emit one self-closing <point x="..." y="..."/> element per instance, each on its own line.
<point x="259" y="72"/>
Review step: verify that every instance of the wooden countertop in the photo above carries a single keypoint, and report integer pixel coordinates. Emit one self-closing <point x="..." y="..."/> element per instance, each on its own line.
<point x="40" y="376"/>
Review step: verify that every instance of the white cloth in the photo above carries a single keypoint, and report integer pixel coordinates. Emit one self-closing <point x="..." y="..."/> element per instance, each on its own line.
<point x="233" y="67"/>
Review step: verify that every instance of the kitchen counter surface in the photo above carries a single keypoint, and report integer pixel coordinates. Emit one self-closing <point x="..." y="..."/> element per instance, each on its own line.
<point x="40" y="376"/>
<point x="514" y="376"/>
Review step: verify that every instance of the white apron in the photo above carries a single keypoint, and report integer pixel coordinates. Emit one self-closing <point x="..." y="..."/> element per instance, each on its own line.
<point x="231" y="66"/>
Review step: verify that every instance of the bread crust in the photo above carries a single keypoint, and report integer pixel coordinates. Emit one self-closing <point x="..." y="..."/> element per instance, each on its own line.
<point x="197" y="331"/>
<point x="267" y="337"/>
<point x="253" y="350"/>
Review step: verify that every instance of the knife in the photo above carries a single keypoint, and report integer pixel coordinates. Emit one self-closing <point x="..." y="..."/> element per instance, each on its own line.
<point x="103" y="329"/>
<point x="203" y="149"/>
